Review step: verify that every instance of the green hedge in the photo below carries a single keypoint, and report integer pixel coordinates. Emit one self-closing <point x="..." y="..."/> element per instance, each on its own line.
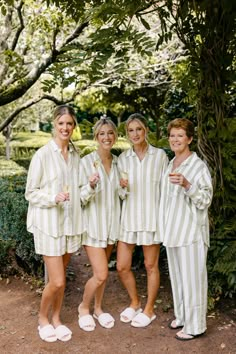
<point x="13" y="233"/>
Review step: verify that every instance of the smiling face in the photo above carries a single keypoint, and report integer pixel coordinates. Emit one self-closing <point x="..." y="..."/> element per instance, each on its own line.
<point x="136" y="132"/>
<point x="63" y="127"/>
<point x="179" y="141"/>
<point x="106" y="137"/>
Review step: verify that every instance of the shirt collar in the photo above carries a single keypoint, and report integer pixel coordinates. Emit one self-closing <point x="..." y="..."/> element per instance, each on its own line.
<point x="150" y="151"/>
<point x="97" y="157"/>
<point x="56" y="147"/>
<point x="187" y="161"/>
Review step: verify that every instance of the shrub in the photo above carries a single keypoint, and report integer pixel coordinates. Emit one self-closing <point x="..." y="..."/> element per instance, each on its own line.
<point x="5" y="247"/>
<point x="76" y="134"/>
<point x="13" y="230"/>
<point x="10" y="168"/>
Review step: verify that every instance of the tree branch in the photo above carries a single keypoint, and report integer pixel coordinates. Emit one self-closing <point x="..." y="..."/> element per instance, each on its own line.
<point x="21" y="86"/>
<point x="20" y="28"/>
<point x="32" y="102"/>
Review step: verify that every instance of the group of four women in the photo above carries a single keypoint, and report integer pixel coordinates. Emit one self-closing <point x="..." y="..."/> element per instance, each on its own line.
<point x="74" y="202"/>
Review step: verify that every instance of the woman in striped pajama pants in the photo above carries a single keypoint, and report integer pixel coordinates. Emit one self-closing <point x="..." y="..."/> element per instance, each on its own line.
<point x="187" y="194"/>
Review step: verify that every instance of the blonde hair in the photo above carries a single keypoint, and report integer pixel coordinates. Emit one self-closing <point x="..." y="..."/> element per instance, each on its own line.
<point x="59" y="112"/>
<point x="98" y="125"/>
<point x="64" y="109"/>
<point x="140" y="119"/>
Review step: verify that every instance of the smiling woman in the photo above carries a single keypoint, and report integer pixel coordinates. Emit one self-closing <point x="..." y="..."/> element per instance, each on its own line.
<point x="55" y="217"/>
<point x="187" y="194"/>
<point x="141" y="168"/>
<point x="99" y="182"/>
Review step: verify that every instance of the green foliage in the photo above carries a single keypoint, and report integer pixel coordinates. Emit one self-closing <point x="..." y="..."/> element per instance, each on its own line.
<point x="76" y="134"/>
<point x="121" y="129"/>
<point x="222" y="253"/>
<point x="207" y="30"/>
<point x="5" y="247"/>
<point x="13" y="231"/>
<point x="86" y="128"/>
<point x="87" y="150"/>
<point x="10" y="168"/>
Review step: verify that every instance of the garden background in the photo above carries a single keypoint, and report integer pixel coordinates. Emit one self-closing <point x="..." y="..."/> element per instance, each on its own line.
<point x="165" y="59"/>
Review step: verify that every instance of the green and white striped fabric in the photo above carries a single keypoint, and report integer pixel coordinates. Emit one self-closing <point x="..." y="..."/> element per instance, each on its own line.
<point x="102" y="204"/>
<point x="47" y="176"/>
<point x="184" y="214"/>
<point x="188" y="275"/>
<point x="140" y="208"/>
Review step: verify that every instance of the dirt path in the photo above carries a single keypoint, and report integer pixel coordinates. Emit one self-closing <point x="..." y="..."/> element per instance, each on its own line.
<point x="18" y="321"/>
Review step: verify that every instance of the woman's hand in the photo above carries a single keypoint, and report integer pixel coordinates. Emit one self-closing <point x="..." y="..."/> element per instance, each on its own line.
<point x="94" y="179"/>
<point x="62" y="197"/>
<point x="124" y="183"/>
<point x="178" y="178"/>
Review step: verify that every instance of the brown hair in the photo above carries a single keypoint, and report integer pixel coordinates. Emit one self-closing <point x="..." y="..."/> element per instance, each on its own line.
<point x="102" y="121"/>
<point x="181" y="123"/>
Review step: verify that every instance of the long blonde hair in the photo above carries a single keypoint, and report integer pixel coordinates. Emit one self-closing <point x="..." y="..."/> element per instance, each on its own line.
<point x="102" y="122"/>
<point x="60" y="111"/>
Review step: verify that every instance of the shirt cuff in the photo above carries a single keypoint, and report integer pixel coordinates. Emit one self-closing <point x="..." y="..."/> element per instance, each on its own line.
<point x="191" y="191"/>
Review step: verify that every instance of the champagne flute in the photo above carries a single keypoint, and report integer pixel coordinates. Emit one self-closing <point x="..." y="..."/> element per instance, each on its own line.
<point x="124" y="175"/>
<point x="96" y="165"/>
<point x="66" y="189"/>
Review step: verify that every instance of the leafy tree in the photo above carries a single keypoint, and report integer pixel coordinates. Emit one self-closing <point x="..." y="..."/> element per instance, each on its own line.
<point x="207" y="30"/>
<point x="38" y="39"/>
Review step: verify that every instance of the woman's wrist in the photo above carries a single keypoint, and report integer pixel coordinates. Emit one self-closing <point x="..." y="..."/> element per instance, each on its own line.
<point x="187" y="187"/>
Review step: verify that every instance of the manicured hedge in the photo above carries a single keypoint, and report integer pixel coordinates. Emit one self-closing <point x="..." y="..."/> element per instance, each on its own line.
<point x="15" y="241"/>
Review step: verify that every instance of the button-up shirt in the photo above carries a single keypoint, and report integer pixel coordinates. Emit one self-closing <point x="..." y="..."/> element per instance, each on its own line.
<point x="184" y="214"/>
<point x="140" y="208"/>
<point x="48" y="175"/>
<point x="101" y="204"/>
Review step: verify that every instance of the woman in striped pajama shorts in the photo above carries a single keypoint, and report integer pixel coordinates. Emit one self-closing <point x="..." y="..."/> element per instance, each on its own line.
<point x="141" y="168"/>
<point x="55" y="217"/>
<point x="99" y="184"/>
<point x="187" y="194"/>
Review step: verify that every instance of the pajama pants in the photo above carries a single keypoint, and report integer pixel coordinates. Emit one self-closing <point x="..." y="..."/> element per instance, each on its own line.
<point x="188" y="275"/>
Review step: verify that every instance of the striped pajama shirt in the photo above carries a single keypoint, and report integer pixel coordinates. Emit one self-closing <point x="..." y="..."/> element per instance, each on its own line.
<point x="101" y="205"/>
<point x="48" y="221"/>
<point x="185" y="232"/>
<point x="140" y="206"/>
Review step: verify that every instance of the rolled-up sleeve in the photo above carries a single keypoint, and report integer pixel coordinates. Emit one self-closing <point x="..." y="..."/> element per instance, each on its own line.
<point x="201" y="192"/>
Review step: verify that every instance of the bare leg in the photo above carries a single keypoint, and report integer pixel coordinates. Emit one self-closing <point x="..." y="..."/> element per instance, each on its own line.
<point x="54" y="290"/>
<point x="98" y="260"/>
<point x="57" y="304"/>
<point x="100" y="290"/>
<point x="151" y="257"/>
<point x="124" y="262"/>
